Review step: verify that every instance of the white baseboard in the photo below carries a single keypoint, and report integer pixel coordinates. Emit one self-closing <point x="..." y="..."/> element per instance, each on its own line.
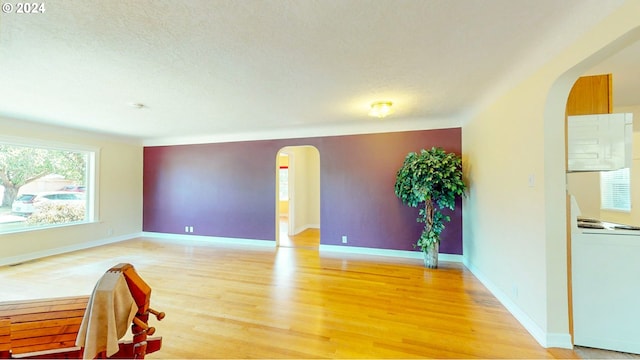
<point x="329" y="248"/>
<point x="210" y="239"/>
<point x="545" y="339"/>
<point x="12" y="260"/>
<point x="386" y="252"/>
<point x="559" y="340"/>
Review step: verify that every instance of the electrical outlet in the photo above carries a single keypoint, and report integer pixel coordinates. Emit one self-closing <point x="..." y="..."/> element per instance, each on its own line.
<point x="190" y="229"/>
<point x="532" y="180"/>
<point x="344" y="239"/>
<point x="186" y="229"/>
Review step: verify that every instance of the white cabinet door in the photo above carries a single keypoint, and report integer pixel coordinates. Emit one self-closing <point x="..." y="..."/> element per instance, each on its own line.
<point x="599" y="142"/>
<point x="605" y="275"/>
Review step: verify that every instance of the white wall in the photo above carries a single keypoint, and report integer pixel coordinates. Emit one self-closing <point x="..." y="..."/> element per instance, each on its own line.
<point x="120" y="196"/>
<point x="313" y="186"/>
<point x="585" y="186"/>
<point x="304" y="187"/>
<point x="283" y="205"/>
<point x="305" y="169"/>
<point x="515" y="235"/>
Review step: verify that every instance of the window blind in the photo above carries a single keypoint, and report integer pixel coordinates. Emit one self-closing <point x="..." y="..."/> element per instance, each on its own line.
<point x="615" y="191"/>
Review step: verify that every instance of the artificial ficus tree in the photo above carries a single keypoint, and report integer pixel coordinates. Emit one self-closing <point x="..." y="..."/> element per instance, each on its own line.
<point x="431" y="180"/>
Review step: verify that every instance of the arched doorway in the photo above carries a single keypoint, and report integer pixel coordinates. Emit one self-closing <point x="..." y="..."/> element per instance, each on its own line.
<point x="594" y="288"/>
<point x="298" y="196"/>
<point x="555" y="133"/>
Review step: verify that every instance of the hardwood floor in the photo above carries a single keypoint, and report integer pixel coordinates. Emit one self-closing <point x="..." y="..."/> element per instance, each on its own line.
<point x="309" y="238"/>
<point x="590" y="353"/>
<point x="235" y="301"/>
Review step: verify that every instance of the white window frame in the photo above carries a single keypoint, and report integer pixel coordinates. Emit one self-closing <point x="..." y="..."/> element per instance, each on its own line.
<point x="283" y="187"/>
<point x="615" y="190"/>
<point x="91" y="193"/>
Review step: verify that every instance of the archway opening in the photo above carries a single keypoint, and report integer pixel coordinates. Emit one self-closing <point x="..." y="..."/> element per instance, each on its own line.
<point x="298" y="196"/>
<point x="558" y="200"/>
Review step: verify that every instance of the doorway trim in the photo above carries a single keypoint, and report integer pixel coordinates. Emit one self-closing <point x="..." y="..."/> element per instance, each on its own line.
<point x="311" y="194"/>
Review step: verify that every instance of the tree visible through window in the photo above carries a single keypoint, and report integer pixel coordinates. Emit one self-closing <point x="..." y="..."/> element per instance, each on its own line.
<point x="42" y="186"/>
<point x="615" y="191"/>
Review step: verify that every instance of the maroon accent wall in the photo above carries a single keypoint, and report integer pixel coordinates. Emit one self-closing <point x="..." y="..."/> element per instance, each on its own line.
<point x="228" y="189"/>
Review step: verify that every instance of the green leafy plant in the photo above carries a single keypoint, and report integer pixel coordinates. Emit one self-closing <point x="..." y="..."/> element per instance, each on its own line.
<point x="21" y="165"/>
<point x="50" y="213"/>
<point x="431" y="180"/>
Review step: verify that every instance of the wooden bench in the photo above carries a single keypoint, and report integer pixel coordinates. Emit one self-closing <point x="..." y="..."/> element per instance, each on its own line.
<point x="40" y="325"/>
<point x="48" y="328"/>
<point x="5" y="338"/>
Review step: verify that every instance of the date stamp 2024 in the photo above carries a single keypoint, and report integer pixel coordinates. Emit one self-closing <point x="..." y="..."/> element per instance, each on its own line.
<point x="23" y="8"/>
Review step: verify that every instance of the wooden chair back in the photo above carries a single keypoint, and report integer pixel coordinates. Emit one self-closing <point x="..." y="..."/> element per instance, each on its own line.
<point x="140" y="291"/>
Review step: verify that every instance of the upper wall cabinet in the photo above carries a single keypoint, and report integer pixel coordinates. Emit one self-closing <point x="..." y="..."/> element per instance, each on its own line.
<point x="591" y="95"/>
<point x="599" y="142"/>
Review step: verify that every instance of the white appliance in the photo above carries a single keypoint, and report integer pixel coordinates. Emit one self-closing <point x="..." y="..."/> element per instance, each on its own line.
<point x="605" y="269"/>
<point x="599" y="142"/>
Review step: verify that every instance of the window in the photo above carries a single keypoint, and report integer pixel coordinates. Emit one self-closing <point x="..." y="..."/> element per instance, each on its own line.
<point x="44" y="185"/>
<point x="284" y="183"/>
<point x="615" y="190"/>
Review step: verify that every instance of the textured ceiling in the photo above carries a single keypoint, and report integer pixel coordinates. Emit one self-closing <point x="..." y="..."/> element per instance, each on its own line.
<point x="226" y="68"/>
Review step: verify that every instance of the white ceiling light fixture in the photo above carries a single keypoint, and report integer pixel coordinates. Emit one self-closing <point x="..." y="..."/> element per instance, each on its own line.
<point x="380" y="109"/>
<point x="137" y="105"/>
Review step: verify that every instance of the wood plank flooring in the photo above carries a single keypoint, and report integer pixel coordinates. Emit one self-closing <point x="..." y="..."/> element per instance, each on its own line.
<point x="309" y="238"/>
<point x="234" y="301"/>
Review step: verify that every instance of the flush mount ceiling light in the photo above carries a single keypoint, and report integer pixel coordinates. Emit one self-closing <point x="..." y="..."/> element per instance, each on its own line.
<point x="137" y="105"/>
<point x="380" y="109"/>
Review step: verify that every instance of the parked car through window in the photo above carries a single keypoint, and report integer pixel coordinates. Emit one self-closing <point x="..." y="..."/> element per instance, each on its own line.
<point x="26" y="204"/>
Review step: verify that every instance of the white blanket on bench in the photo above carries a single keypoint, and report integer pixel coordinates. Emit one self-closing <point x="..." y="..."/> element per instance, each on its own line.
<point x="109" y="314"/>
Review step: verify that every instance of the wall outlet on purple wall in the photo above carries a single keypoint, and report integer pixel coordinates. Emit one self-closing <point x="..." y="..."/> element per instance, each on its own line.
<point x="344" y="239"/>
